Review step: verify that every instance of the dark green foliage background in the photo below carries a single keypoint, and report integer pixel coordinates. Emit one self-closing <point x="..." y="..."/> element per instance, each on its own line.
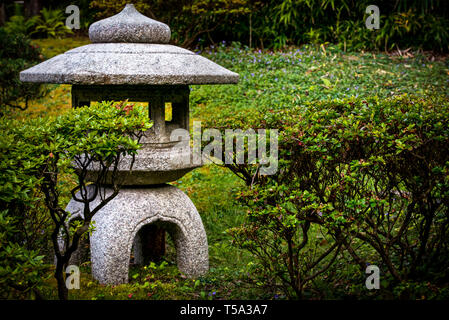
<point x="406" y="23"/>
<point x="420" y="24"/>
<point x="16" y="54"/>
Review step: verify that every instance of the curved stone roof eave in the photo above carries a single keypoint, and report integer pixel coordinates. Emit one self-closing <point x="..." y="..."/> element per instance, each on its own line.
<point x="129" y="63"/>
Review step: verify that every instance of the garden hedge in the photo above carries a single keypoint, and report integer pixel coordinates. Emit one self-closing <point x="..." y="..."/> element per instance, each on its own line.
<point x="363" y="180"/>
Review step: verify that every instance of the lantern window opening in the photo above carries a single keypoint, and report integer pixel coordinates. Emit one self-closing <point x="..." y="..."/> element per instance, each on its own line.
<point x="168" y="112"/>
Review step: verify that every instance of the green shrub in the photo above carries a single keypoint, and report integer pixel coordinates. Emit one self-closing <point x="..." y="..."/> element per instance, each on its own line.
<point x="21" y="25"/>
<point x="50" y="24"/>
<point x="22" y="271"/>
<point x="16" y="54"/>
<point x="23" y="221"/>
<point x="20" y="176"/>
<point x="367" y="177"/>
<point x="36" y="158"/>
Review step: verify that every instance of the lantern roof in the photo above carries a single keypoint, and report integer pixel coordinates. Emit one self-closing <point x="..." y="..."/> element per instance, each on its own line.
<point x="129" y="48"/>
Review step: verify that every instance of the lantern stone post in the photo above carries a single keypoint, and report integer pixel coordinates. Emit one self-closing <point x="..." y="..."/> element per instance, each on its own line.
<point x="130" y="58"/>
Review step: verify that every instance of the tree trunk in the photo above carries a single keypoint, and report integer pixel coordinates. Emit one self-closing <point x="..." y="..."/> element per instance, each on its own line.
<point x="63" y="292"/>
<point x="250" y="31"/>
<point x="32" y="8"/>
<point x="2" y="14"/>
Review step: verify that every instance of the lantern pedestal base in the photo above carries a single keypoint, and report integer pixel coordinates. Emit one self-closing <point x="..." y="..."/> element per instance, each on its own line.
<point x="124" y="222"/>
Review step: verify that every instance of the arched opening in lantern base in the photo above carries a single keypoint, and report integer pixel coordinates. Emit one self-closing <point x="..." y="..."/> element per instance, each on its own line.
<point x="154" y="242"/>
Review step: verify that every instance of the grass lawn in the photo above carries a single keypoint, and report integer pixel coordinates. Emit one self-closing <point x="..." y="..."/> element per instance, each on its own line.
<point x="268" y="81"/>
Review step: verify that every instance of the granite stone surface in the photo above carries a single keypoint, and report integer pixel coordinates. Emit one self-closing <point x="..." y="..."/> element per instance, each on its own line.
<point x="152" y="165"/>
<point x="117" y="224"/>
<point x="129" y="63"/>
<point x="129" y="26"/>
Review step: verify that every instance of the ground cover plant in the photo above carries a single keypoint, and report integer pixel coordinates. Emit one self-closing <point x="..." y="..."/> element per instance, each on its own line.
<point x="274" y="89"/>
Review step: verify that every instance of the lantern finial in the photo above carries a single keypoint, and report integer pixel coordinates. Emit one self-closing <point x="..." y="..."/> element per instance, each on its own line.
<point x="129" y="26"/>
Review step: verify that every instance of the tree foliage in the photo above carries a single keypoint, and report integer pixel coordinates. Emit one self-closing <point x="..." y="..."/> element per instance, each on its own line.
<point x="420" y="23"/>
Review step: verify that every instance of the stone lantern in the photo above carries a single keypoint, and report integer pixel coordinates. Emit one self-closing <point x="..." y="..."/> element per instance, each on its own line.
<point x="130" y="58"/>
